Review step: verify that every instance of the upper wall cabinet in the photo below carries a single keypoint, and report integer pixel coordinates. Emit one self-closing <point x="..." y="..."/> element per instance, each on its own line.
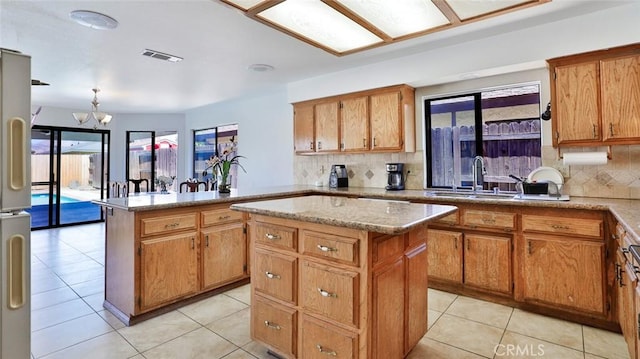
<point x="596" y="97"/>
<point x="380" y="120"/>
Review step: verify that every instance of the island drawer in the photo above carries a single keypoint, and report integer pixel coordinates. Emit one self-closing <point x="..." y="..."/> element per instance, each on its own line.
<point x="563" y="226"/>
<point x="322" y="340"/>
<point x="452" y="219"/>
<point x="274" y="324"/>
<point x="219" y="216"/>
<point x="330" y="292"/>
<point x="160" y="225"/>
<point x="489" y="219"/>
<point x="331" y="247"/>
<point x="275" y="275"/>
<point x="276" y="236"/>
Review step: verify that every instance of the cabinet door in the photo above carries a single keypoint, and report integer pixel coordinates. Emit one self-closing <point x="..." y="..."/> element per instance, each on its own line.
<point x="303" y="127"/>
<point x="487" y="262"/>
<point x="564" y="271"/>
<point x="224" y="250"/>
<point x="445" y="255"/>
<point x="416" y="311"/>
<point x="576" y="103"/>
<point x="354" y="124"/>
<point x="620" y="79"/>
<point x="388" y="310"/>
<point x="168" y="269"/>
<point x="327" y="132"/>
<point x="386" y="121"/>
<point x="625" y="288"/>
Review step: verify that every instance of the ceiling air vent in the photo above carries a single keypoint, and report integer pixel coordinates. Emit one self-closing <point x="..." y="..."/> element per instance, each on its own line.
<point x="161" y="56"/>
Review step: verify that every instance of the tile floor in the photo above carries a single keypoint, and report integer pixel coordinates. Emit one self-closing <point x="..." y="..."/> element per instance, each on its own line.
<point x="68" y="320"/>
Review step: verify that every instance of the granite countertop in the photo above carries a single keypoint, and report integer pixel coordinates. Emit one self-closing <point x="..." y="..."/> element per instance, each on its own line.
<point x="374" y="215"/>
<point x="625" y="211"/>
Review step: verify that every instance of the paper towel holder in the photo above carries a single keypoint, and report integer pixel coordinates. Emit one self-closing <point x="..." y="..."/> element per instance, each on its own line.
<point x="608" y="153"/>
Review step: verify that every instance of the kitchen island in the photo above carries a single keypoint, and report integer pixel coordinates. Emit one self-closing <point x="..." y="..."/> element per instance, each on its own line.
<point x="332" y="275"/>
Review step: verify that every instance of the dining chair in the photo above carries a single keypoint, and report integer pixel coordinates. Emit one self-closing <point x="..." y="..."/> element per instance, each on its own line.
<point x="192" y="186"/>
<point x="136" y="184"/>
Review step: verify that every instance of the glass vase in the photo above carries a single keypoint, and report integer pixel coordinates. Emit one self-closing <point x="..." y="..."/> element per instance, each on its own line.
<point x="224" y="184"/>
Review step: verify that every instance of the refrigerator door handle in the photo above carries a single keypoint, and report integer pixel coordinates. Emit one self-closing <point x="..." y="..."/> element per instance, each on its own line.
<point x="17" y="281"/>
<point x="17" y="158"/>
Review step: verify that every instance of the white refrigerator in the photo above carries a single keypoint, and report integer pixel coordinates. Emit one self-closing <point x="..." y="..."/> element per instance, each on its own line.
<point x="15" y="196"/>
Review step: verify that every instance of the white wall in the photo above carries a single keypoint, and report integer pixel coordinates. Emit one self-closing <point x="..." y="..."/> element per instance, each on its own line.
<point x="265" y="136"/>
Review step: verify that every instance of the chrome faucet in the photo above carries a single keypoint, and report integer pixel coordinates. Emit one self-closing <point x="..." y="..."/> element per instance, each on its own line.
<point x="476" y="175"/>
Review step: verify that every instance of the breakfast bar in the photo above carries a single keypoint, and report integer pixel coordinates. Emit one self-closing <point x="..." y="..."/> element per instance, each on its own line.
<point x="331" y="275"/>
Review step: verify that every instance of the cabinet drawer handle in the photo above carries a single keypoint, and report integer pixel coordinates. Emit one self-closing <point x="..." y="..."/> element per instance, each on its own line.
<point x="374" y="142"/>
<point x="326" y="294"/>
<point x="325" y="351"/>
<point x="319" y="145"/>
<point x="271" y="275"/>
<point x="311" y="145"/>
<point x="222" y="218"/>
<point x="488" y="220"/>
<point x="364" y="143"/>
<point x="594" y="132"/>
<point x="557" y="226"/>
<point x="268" y="324"/>
<point x="273" y="237"/>
<point x="171" y="225"/>
<point x="611" y="130"/>
<point x="207" y="240"/>
<point x="326" y="249"/>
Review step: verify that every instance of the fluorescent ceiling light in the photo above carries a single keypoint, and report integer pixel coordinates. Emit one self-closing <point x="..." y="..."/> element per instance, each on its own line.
<point x="398" y="19"/>
<point x="343" y="27"/>
<point x="321" y="23"/>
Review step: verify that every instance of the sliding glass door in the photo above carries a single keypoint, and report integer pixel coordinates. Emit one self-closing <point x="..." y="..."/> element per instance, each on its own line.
<point x="69" y="170"/>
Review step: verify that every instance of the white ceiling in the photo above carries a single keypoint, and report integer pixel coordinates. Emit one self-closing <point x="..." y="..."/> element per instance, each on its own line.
<point x="217" y="43"/>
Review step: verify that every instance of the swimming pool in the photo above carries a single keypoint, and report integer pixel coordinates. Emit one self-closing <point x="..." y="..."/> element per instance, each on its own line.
<point x="40" y="199"/>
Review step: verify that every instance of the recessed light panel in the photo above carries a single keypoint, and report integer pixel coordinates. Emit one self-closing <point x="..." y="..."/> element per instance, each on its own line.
<point x="94" y="20"/>
<point x="316" y="21"/>
<point x="398" y="20"/>
<point x="245" y="4"/>
<point x="466" y="9"/>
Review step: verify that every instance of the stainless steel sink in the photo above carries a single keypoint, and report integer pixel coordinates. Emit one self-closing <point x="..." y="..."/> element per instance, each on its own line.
<point x="468" y="194"/>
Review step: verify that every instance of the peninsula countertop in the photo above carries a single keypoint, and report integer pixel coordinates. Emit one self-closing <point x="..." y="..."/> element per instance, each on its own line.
<point x="374" y="215"/>
<point x="624" y="210"/>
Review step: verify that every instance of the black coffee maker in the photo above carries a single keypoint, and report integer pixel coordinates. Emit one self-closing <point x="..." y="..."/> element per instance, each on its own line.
<point x="395" y="176"/>
<point x="338" y="176"/>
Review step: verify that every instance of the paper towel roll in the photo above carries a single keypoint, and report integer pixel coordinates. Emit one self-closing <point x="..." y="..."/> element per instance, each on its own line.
<point x="584" y="158"/>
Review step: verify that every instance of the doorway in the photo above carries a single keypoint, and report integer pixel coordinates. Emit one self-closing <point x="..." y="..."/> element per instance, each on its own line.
<point x="69" y="169"/>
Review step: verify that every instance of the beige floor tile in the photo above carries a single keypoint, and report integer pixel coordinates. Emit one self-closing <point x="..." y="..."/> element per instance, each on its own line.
<point x="242" y="294"/>
<point x="58" y="313"/>
<point x="515" y="345"/>
<point x="153" y="332"/>
<point x="200" y="343"/>
<point x="234" y="328"/>
<point x="113" y="321"/>
<point x="428" y="348"/>
<point x="45" y="284"/>
<point x="239" y="354"/>
<point x="439" y="300"/>
<point x="89" y="287"/>
<point x="139" y="356"/>
<point x="66" y="334"/>
<point x="591" y="356"/>
<point x="480" y="311"/>
<point x="257" y="350"/>
<point x="433" y="316"/>
<point x="549" y="329"/>
<point x="70" y="268"/>
<point x="52" y="297"/>
<point x="95" y="301"/>
<point x="465" y="334"/>
<point x="208" y="310"/>
<point x="107" y="346"/>
<point x="604" y="343"/>
<point x="82" y="276"/>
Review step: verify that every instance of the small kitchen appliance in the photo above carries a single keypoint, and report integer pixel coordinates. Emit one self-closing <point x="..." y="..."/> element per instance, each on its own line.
<point x="338" y="176"/>
<point x="395" y="176"/>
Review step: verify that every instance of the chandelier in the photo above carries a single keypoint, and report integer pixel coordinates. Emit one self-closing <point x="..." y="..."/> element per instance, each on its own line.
<point x="102" y="118"/>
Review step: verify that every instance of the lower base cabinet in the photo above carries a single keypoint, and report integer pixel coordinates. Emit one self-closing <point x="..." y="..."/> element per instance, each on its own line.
<point x="487" y="262"/>
<point x="323" y="291"/>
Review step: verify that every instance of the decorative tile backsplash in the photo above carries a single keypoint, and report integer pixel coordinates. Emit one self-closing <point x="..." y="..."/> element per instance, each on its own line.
<point x="619" y="178"/>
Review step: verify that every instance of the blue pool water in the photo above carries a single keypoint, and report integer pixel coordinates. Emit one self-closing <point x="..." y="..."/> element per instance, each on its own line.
<point x="43" y="199"/>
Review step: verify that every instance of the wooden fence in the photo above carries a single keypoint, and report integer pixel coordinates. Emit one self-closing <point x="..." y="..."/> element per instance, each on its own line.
<point x="509" y="148"/>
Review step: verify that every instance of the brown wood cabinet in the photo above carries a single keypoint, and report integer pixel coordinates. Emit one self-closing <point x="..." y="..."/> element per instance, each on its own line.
<point x="487" y="262"/>
<point x="378" y="120"/>
<point x="445" y="255"/>
<point x="157" y="258"/>
<point x="563" y="261"/>
<point x="594" y="97"/>
<point x="339" y="289"/>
